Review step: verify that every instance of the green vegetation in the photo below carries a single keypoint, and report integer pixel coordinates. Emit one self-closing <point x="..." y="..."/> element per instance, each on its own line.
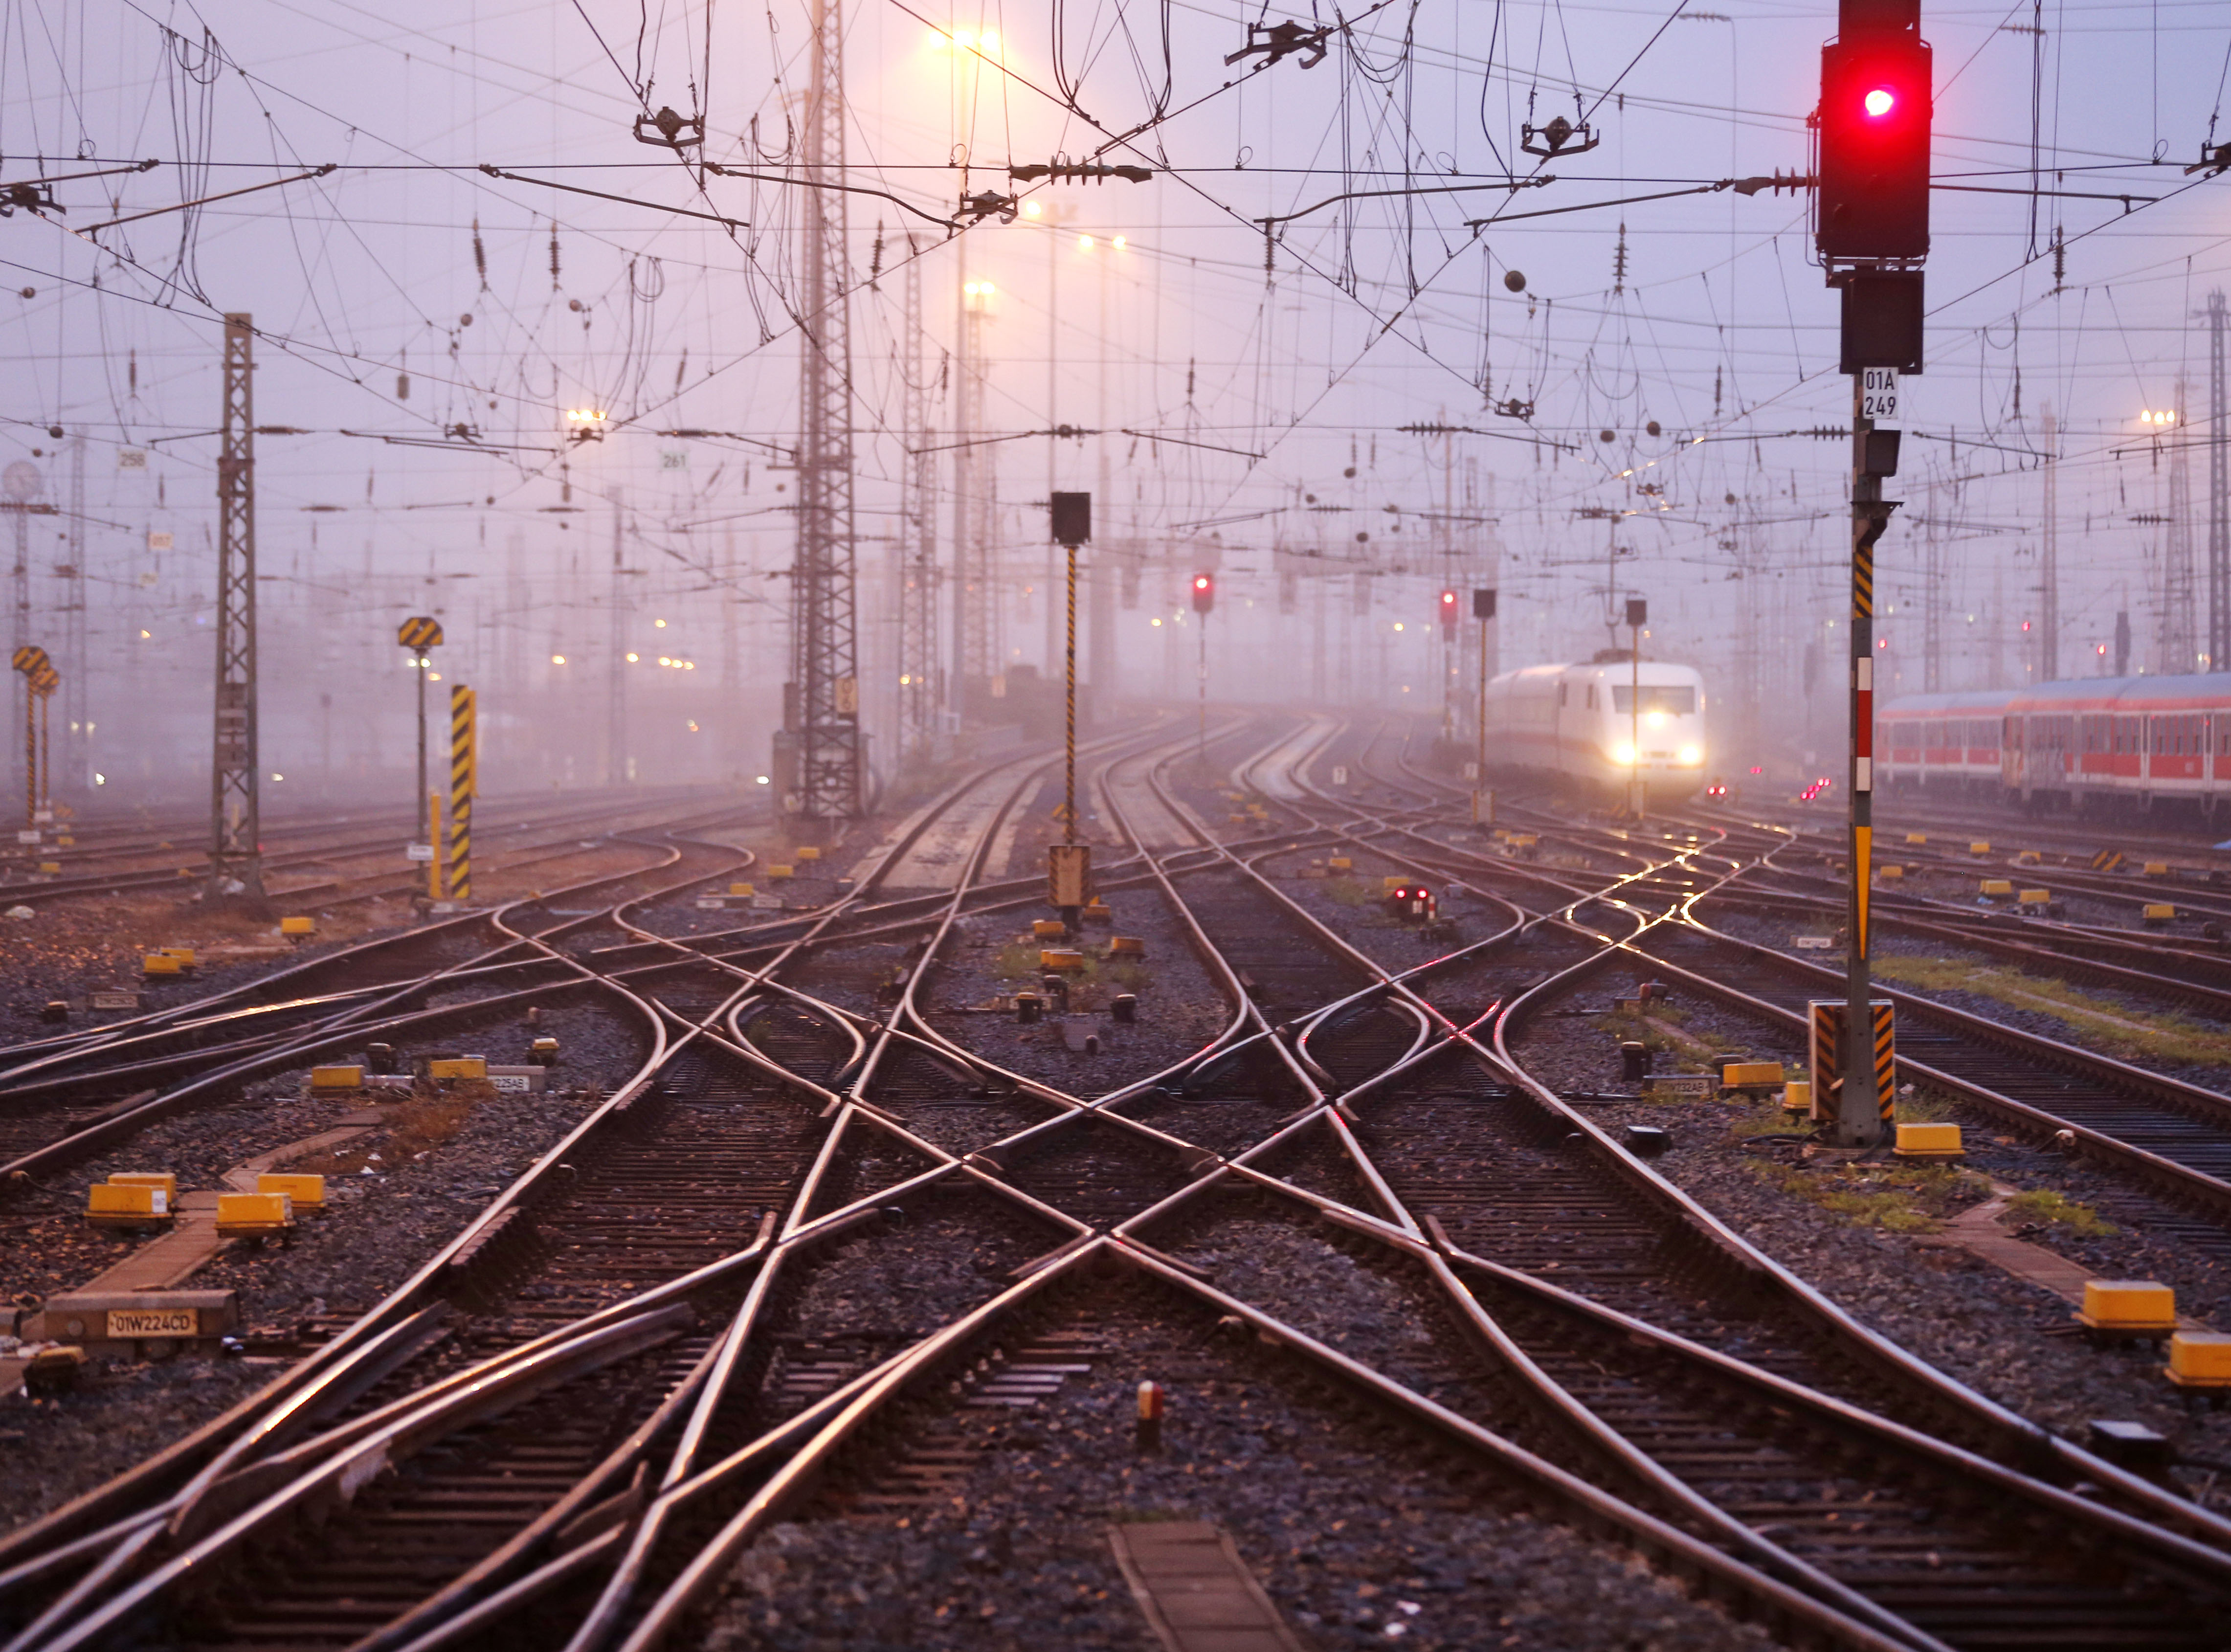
<point x="2133" y="1033"/>
<point x="2043" y="1204"/>
<point x="1091" y="987"/>
<point x="1347" y="890"/>
<point x="1898" y="1198"/>
<point x="1924" y="1107"/>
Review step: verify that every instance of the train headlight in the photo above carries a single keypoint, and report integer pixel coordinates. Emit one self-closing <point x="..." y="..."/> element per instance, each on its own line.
<point x="1623" y="753"/>
<point x="1692" y="755"/>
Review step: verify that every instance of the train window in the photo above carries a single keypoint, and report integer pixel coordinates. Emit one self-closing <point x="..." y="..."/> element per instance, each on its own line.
<point x="1591" y="696"/>
<point x="1562" y="687"/>
<point x="1676" y="702"/>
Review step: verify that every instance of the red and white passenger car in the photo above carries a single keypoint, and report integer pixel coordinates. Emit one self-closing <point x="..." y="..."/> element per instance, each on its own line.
<point x="2079" y="743"/>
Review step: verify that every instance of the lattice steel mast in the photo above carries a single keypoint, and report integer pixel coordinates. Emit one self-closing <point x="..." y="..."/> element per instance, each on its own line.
<point x="920" y="701"/>
<point x="819" y="752"/>
<point x="235" y="852"/>
<point x="2219" y="494"/>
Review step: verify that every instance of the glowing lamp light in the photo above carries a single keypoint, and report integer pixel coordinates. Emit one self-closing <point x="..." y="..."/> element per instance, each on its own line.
<point x="631" y="659"/>
<point x="1121" y="244"/>
<point x="584" y="416"/>
<point x="759" y="780"/>
<point x="1692" y="755"/>
<point x="1085" y="243"/>
<point x="1031" y="209"/>
<point x="1623" y="753"/>
<point x="1878" y="102"/>
<point x="557" y="659"/>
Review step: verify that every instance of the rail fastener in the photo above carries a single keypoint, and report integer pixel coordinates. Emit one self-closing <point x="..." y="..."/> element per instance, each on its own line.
<point x="2127" y="1310"/>
<point x="1930" y="1141"/>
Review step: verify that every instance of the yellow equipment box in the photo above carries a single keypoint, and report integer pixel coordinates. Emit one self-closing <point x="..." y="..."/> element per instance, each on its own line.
<point x="1060" y="958"/>
<point x="1997" y="887"/>
<point x="1917" y="838"/>
<point x="2029" y="858"/>
<point x="2157" y="869"/>
<point x="107" y="1205"/>
<point x="1797" y="1096"/>
<point x="1127" y="946"/>
<point x="253" y="1215"/>
<point x="777" y="873"/>
<point x="808" y="852"/>
<point x="1339" y="863"/>
<point x="1388" y="885"/>
<point x="298" y="926"/>
<point x="337" y="1077"/>
<point x="2199" y="1359"/>
<point x="1929" y="1141"/>
<point x="2129" y="1305"/>
<point x="51" y="867"/>
<point x="1746" y="1075"/>
<point x="304" y="1192"/>
<point x="2036" y="896"/>
<point x="1048" y="928"/>
<point x="742" y="888"/>
<point x="1891" y="871"/>
<point x="162" y="1179"/>
<point x="162" y="963"/>
<point x="1979" y="847"/>
<point x="1096" y="911"/>
<point x="2160" y="912"/>
<point x="463" y="1066"/>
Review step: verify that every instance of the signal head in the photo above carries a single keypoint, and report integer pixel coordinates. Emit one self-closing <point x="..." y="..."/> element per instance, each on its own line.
<point x="1204" y="593"/>
<point x="1880" y="102"/>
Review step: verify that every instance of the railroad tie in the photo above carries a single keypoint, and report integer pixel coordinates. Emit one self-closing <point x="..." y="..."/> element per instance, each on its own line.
<point x="1197" y="1594"/>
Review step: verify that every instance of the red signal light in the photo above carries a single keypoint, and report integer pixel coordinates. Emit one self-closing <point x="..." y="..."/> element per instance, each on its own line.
<point x="1880" y="102"/>
<point x="1204" y="593"/>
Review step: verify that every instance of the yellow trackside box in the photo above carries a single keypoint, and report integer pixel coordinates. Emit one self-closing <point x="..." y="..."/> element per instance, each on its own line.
<point x="1060" y="958"/>
<point x="463" y="1066"/>
<point x="298" y="926"/>
<point x="253" y="1215"/>
<point x="2157" y="869"/>
<point x="1339" y="863"/>
<point x="1746" y="1075"/>
<point x="776" y="874"/>
<point x="107" y="1205"/>
<point x="2029" y="858"/>
<point x="742" y="888"/>
<point x="337" y="1077"/>
<point x="2129" y="1305"/>
<point x="1917" y="838"/>
<point x="808" y="853"/>
<point x="1997" y="888"/>
<point x="1797" y="1096"/>
<point x="1893" y="869"/>
<point x="2036" y="896"/>
<point x="1048" y="928"/>
<point x="1929" y="1141"/>
<point x="160" y="963"/>
<point x="1388" y="885"/>
<point x="1127" y="946"/>
<point x="306" y="1192"/>
<point x="2160" y="912"/>
<point x="183" y="954"/>
<point x="51" y="867"/>
<point x="2200" y="1359"/>
<point x="1979" y="847"/>
<point x="162" y="1179"/>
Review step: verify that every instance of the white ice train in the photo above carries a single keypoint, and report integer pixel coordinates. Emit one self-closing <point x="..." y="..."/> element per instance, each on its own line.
<point x="1578" y="723"/>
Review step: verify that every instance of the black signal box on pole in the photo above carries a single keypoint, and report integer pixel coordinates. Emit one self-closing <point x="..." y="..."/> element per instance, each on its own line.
<point x="1882" y="320"/>
<point x="1072" y="519"/>
<point x="1482" y="602"/>
<point x="1637" y="612"/>
<point x="1874" y="118"/>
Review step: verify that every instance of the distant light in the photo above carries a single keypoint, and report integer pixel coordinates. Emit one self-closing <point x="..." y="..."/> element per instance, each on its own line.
<point x="584" y="415"/>
<point x="693" y="728"/>
<point x="759" y="780"/>
<point x="1030" y="209"/>
<point x="2157" y="419"/>
<point x="147" y="633"/>
<point x="905" y="681"/>
<point x="1880" y="102"/>
<point x="557" y="659"/>
<point x="1121" y="244"/>
<point x="661" y="624"/>
<point x="662" y="660"/>
<point x="1398" y="625"/>
<point x="1623" y="752"/>
<point x="101" y="780"/>
<point x="1692" y="754"/>
<point x="433" y="677"/>
<point x="1084" y="242"/>
<point x="631" y="659"/>
<point x="1156" y="620"/>
<point x="278" y="777"/>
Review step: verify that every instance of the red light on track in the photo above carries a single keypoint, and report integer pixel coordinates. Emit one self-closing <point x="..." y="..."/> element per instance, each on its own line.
<point x="1880" y="102"/>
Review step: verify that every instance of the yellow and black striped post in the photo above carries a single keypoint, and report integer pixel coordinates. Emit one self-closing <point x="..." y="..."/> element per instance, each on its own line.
<point x="464" y="754"/>
<point x="1887" y="1064"/>
<point x="1829" y="1021"/>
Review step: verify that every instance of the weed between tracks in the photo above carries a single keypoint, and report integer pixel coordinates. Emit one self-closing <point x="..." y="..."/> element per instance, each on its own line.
<point x="1897" y="1198"/>
<point x="2118" y="1029"/>
<point x="1091" y="987"/>
<point x="415" y="1127"/>
<point x="2044" y="1205"/>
